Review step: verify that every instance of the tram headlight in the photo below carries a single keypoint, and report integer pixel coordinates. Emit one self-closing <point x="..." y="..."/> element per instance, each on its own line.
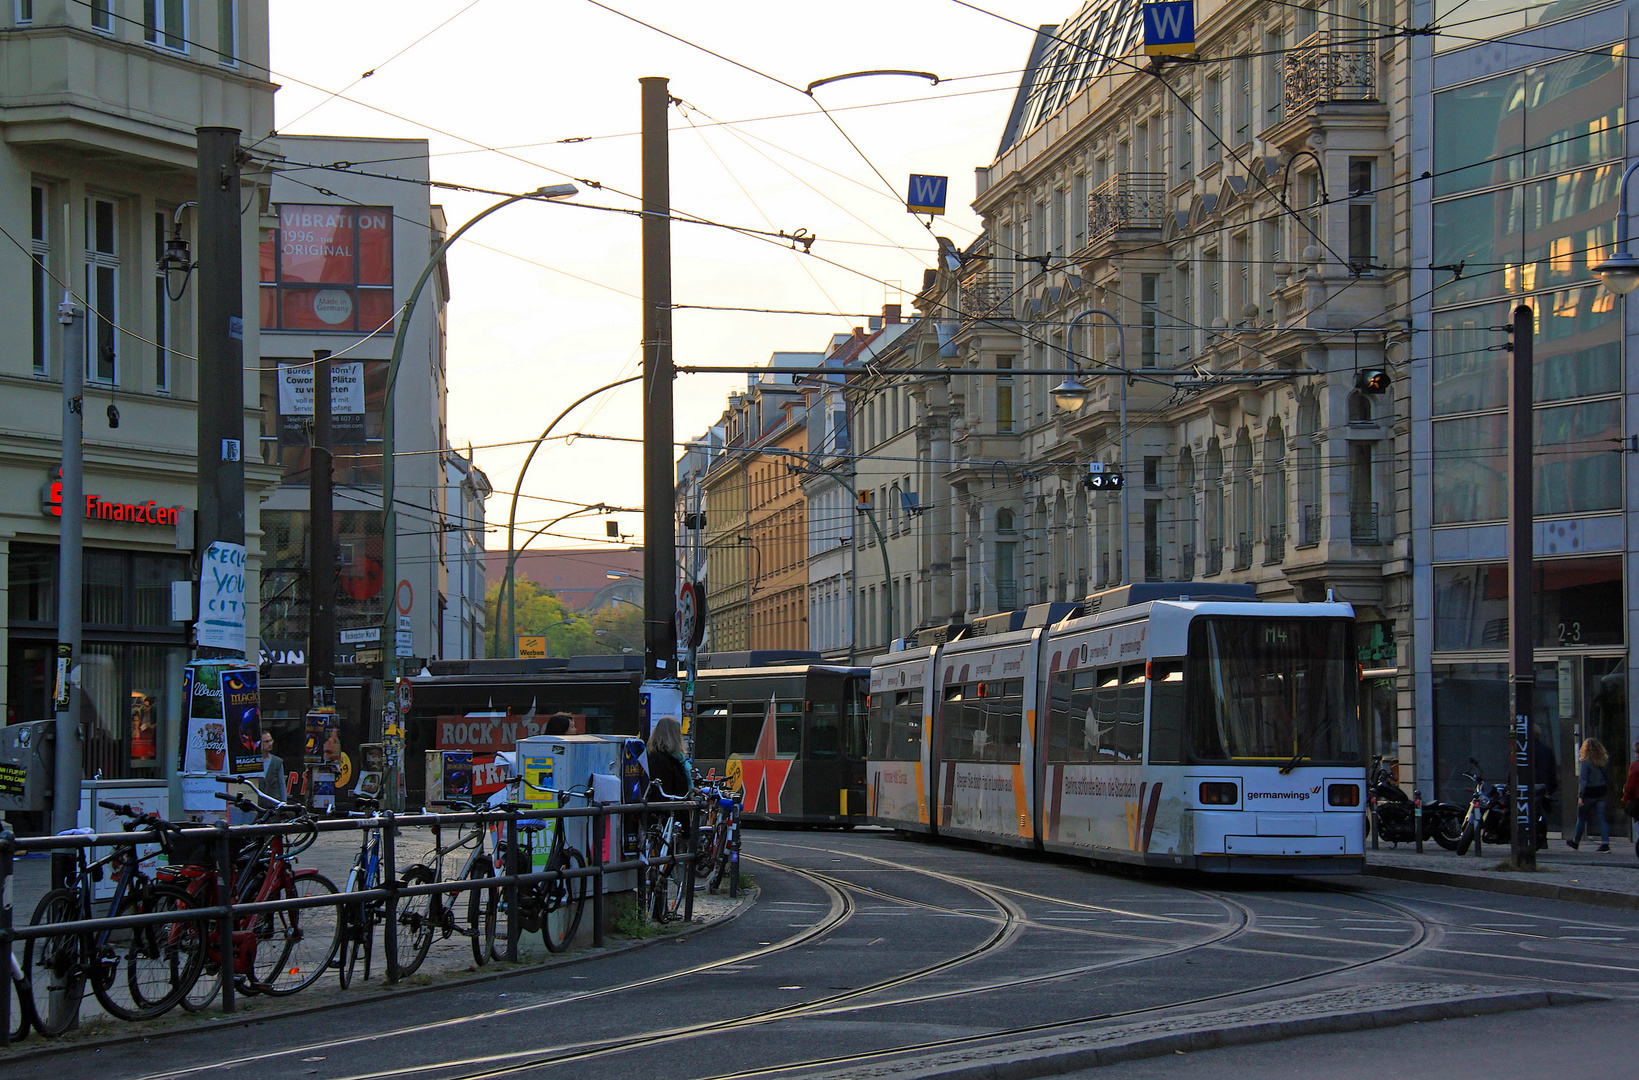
<point x="1219" y="793"/>
<point x="1342" y="794"/>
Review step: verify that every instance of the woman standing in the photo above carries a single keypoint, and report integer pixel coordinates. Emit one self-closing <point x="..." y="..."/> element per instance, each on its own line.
<point x="666" y="766"/>
<point x="1590" y="783"/>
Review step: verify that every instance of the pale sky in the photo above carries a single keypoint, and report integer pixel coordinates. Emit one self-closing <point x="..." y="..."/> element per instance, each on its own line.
<point x="544" y="303"/>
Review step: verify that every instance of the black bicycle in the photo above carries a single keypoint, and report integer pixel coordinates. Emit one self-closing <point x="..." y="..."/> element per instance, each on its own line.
<point x="137" y="972"/>
<point x="552" y="908"/>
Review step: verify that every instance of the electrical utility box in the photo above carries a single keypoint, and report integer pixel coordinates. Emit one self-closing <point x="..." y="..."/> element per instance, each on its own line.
<point x="569" y="763"/>
<point x="27" y="764"/>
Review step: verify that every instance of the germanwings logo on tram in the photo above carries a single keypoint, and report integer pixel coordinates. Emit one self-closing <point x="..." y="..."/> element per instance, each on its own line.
<point x="1300" y="796"/>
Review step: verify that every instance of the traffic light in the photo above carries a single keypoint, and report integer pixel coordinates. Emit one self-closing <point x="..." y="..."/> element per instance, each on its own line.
<point x="1372" y="381"/>
<point x="1101" y="479"/>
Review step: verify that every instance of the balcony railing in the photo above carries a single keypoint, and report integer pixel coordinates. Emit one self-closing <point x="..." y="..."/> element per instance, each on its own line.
<point x="1327" y="66"/>
<point x="1186" y="562"/>
<point x="1274" y="547"/>
<point x="1129" y="200"/>
<point x="1363" y="523"/>
<point x="987" y="294"/>
<point x="1214" y="558"/>
<point x="1243" y="551"/>
<point x="1309" y="527"/>
<point x="1007" y="595"/>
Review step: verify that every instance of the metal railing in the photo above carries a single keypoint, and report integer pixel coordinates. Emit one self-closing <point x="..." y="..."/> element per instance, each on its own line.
<point x="986" y="294"/>
<point x="1007" y="595"/>
<point x="1152" y="562"/>
<point x="1309" y="526"/>
<point x="1214" y="558"/>
<point x="1274" y="547"/>
<point x="1186" y="562"/>
<point x="1129" y="200"/>
<point x="1363" y="523"/>
<point x="1327" y="66"/>
<point x="223" y="842"/>
<point x="1243" y="551"/>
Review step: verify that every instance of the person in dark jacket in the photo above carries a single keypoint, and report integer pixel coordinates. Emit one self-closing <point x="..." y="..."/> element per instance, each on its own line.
<point x="1591" y="787"/>
<point x="559" y="723"/>
<point x="666" y="767"/>
<point x="1630" y="790"/>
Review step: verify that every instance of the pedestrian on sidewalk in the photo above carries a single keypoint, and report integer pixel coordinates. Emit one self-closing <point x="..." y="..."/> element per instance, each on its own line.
<point x="1630" y="790"/>
<point x="1591" y="787"/>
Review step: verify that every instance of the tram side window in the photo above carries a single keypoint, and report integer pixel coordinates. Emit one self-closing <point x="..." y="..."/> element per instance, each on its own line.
<point x="1066" y="724"/>
<point x="907" y="726"/>
<point x="880" y="708"/>
<point x="1167" y="712"/>
<point x="711" y="732"/>
<point x="824" y="730"/>
<point x="747" y="729"/>
<point x="956" y="726"/>
<point x="1004" y="716"/>
<point x="1128" y="743"/>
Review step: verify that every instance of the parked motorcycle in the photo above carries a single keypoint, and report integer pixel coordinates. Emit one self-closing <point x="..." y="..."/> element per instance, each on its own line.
<point x="1490" y="814"/>
<point x="1396" y="815"/>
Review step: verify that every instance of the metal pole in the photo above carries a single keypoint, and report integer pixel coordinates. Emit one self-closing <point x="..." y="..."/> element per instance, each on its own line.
<point x="227" y="955"/>
<point x="600" y="833"/>
<point x="6" y="840"/>
<point x="511" y="865"/>
<point x="1522" y="849"/>
<point x="321" y="559"/>
<point x="220" y="292"/>
<point x="65" y="806"/>
<point x="389" y="881"/>
<point x="1070" y="363"/>
<point x="887" y="573"/>
<point x="659" y="486"/>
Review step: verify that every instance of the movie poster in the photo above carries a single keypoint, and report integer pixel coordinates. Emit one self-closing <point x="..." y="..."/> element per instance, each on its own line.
<point x="242" y="717"/>
<point x="205" y="730"/>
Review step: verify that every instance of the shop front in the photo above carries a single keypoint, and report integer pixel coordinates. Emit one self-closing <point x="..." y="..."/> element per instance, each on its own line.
<point x="133" y="652"/>
<point x="1581" y="674"/>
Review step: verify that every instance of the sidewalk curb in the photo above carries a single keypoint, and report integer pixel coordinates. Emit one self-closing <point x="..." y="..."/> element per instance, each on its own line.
<point x="218" y="1021"/>
<point x="1057" y="1062"/>
<point x="1508" y="886"/>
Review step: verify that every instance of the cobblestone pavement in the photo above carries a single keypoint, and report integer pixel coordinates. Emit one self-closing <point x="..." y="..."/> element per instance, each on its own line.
<point x="1615" y="872"/>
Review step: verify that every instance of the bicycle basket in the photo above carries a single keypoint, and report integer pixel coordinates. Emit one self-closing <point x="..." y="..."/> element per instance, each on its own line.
<point x="183" y="850"/>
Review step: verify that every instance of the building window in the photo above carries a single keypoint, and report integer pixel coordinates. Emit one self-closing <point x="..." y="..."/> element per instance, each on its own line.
<point x="165" y="23"/>
<point x="1004" y="396"/>
<point x="1149" y="311"/>
<point x="102" y="291"/>
<point x="1241" y="87"/>
<point x="1152" y="472"/>
<point x="40" y="297"/>
<point x="329" y="268"/>
<point x="1362" y="215"/>
<point x="102" y="16"/>
<point x="162" y="314"/>
<point x="1274" y="48"/>
<point x="25" y="12"/>
<point x="1007" y="583"/>
<point x="1183" y="139"/>
<point x="1213" y="121"/>
<point x="227" y="32"/>
<point x="1078" y="210"/>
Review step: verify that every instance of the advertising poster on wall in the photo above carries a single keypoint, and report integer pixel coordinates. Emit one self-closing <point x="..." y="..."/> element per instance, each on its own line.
<point x="205" y="730"/>
<point x="242" y="716"/>
<point x="536" y="766"/>
<point x="222" y="598"/>
<point x="296" y="378"/>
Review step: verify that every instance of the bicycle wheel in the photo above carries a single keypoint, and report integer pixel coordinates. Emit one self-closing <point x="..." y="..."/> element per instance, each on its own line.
<point x="481" y="911"/>
<point x="55" y="965"/>
<point x="350" y="941"/>
<point x="22" y="1002"/>
<point x="419" y="918"/>
<point x="565" y="902"/>
<point x="706" y="851"/>
<point x="143" y="971"/>
<point x="294" y="947"/>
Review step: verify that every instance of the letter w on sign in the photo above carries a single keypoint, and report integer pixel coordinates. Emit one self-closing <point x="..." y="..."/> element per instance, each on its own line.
<point x="927" y="194"/>
<point x="1169" y="28"/>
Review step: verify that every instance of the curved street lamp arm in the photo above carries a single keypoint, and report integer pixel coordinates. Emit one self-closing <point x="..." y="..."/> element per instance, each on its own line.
<point x="817" y="83"/>
<point x="512" y="513"/>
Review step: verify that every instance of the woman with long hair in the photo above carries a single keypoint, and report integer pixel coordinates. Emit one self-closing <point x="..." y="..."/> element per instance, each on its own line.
<point x="1591" y="761"/>
<point x="666" y="752"/>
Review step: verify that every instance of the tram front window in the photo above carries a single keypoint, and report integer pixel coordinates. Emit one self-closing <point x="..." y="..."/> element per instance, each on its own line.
<point x="1271" y="689"/>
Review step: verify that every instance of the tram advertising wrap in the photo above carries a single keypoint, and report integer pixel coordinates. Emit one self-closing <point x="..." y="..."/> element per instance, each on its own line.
<point x="1180" y="724"/>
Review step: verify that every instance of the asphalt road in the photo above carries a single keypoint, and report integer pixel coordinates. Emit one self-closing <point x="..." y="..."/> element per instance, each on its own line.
<point x="871" y="953"/>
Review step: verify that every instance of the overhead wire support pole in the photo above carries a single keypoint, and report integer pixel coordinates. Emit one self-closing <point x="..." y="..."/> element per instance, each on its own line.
<point x="659" y="486"/>
<point x="321" y="554"/>
<point x="1521" y="535"/>
<point x="70" y="537"/>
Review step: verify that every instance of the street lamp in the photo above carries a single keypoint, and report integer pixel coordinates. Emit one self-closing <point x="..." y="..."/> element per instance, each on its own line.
<point x="1070" y="395"/>
<point x="389" y="515"/>
<point x="1620" y="272"/>
<point x="508" y="582"/>
<point x="628" y="646"/>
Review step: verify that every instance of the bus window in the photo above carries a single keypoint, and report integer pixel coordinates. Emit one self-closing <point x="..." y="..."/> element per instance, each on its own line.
<point x="711" y="732"/>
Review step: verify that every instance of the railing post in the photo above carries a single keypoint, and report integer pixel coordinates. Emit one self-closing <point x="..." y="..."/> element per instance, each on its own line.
<point x="691" y="821"/>
<point x="512" y="925"/>
<point x="600" y="832"/>
<point x="6" y="840"/>
<point x="389" y="881"/>
<point x="1417" y="817"/>
<point x="734" y="851"/>
<point x="227" y="955"/>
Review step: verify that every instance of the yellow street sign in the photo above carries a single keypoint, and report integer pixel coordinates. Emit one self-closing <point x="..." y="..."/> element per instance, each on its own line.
<point x="531" y="646"/>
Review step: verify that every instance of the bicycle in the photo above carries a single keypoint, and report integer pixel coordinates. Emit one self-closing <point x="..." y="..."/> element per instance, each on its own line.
<point x="22" y="1000"/>
<point x="553" y="908"/>
<point x="661" y="886"/>
<point x="439" y="916"/>
<point x="137" y="972"/>
<point x="275" y="953"/>
<point x="716" y="838"/>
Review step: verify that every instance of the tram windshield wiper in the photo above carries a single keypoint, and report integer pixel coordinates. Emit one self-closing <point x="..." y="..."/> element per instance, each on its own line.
<point x="1308" y="746"/>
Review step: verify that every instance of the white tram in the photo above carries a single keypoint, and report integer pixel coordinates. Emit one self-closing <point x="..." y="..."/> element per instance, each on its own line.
<point x="1180" y="724"/>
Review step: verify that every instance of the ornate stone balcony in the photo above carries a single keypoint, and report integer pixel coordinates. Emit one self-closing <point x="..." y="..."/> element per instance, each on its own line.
<point x="1129" y="200"/>
<point x="1327" y="66"/>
